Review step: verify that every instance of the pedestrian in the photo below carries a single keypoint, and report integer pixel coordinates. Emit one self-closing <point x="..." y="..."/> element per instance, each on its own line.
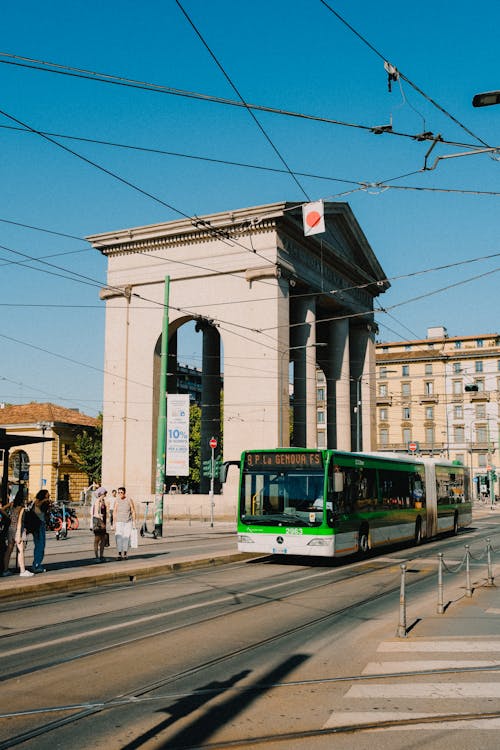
<point x="112" y="502"/>
<point x="4" y="530"/>
<point x="100" y="514"/>
<point x="15" y="538"/>
<point x="40" y="507"/>
<point x="124" y="519"/>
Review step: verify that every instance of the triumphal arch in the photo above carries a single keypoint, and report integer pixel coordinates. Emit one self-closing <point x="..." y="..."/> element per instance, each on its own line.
<point x="271" y="304"/>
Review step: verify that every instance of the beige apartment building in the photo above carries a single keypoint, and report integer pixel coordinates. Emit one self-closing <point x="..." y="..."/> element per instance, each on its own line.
<point x="439" y="396"/>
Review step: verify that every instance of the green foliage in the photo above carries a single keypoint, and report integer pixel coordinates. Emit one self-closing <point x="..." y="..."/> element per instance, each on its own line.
<point x="194" y="447"/>
<point x="88" y="447"/>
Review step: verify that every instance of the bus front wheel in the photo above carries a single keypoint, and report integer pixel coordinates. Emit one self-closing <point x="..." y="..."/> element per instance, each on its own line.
<point x="363" y="543"/>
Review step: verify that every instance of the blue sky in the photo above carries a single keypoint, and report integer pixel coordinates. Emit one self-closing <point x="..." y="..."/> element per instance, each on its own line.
<point x="291" y="55"/>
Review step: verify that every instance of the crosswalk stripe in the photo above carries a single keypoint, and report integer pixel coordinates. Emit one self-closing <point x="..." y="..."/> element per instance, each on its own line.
<point x="428" y="690"/>
<point x="439" y="646"/>
<point x="396" y="667"/>
<point x="355" y="718"/>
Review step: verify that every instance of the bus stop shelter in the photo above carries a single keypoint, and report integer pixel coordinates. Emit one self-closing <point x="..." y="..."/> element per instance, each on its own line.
<point x="7" y="442"/>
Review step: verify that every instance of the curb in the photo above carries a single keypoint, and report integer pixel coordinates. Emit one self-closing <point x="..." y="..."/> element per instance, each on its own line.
<point x="31" y="588"/>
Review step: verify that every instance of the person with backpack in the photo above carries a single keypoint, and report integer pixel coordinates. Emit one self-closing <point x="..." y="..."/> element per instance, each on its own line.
<point x="15" y="537"/>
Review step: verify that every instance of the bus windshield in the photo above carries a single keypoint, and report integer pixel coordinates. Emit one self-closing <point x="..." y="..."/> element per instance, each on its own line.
<point x="279" y="492"/>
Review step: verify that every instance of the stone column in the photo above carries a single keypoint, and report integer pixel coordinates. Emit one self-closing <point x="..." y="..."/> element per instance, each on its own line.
<point x="338" y="386"/>
<point x="362" y="360"/>
<point x="210" y="397"/>
<point x="304" y="375"/>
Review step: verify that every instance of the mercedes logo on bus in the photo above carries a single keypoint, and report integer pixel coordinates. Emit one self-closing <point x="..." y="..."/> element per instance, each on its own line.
<point x="279" y="540"/>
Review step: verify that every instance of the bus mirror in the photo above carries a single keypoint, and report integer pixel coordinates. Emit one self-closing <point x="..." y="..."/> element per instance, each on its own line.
<point x="224" y="468"/>
<point x="338" y="481"/>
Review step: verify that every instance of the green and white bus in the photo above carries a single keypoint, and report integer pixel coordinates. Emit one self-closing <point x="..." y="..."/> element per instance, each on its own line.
<point x="329" y="503"/>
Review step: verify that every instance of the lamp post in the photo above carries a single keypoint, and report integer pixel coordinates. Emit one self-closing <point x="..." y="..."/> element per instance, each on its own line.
<point x="43" y="426"/>
<point x="282" y="355"/>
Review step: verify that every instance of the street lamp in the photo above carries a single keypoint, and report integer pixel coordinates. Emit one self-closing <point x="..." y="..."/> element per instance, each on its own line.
<point x="282" y="355"/>
<point x="43" y="426"/>
<point x="486" y="99"/>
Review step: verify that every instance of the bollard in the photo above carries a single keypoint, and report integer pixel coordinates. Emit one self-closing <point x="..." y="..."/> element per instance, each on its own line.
<point x="402" y="604"/>
<point x="440" y="604"/>
<point x="490" y="571"/>
<point x="468" y="587"/>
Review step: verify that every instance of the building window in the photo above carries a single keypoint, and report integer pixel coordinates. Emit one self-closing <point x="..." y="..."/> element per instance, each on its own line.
<point x="482" y="460"/>
<point x="457" y="367"/>
<point x="321" y="417"/>
<point x="480" y="411"/>
<point x="382" y="415"/>
<point x="479" y="366"/>
<point x="406" y="412"/>
<point x="429" y="435"/>
<point x="429" y="412"/>
<point x="407" y="347"/>
<point x="382" y="373"/>
<point x="457" y="387"/>
<point x="498" y="364"/>
<point x="382" y="390"/>
<point x="406" y="435"/>
<point x="429" y="387"/>
<point x="405" y="389"/>
<point x="428" y="369"/>
<point x="481" y="433"/>
<point x="385" y="349"/>
<point x="479" y="343"/>
<point x="459" y="433"/>
<point x="458" y="411"/>
<point x="460" y="457"/>
<point x="458" y="344"/>
<point x="405" y="371"/>
<point x="321" y="440"/>
<point x="480" y="385"/>
<point x="321" y="394"/>
<point x="384" y="436"/>
<point x="320" y="376"/>
<point x="431" y="346"/>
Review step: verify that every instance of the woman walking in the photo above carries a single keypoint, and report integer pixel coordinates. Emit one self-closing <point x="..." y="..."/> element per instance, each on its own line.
<point x="99" y="519"/>
<point x="124" y="519"/>
<point x="15" y="538"/>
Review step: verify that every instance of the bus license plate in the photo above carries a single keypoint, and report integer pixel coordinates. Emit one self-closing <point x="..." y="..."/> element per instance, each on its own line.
<point x="279" y="551"/>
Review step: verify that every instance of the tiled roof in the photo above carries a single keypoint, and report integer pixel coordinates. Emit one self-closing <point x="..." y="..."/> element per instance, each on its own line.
<point x="34" y="413"/>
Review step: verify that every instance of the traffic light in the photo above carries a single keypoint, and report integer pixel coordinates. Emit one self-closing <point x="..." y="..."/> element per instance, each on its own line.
<point x="206" y="469"/>
<point x="473" y="387"/>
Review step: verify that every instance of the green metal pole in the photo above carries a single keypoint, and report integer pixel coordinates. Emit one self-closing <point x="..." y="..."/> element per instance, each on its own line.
<point x="161" y="440"/>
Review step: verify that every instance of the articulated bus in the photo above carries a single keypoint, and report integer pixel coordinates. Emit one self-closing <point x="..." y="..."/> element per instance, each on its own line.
<point x="330" y="503"/>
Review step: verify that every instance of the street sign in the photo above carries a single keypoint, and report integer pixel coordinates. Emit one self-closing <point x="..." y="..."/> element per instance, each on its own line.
<point x="213" y="443"/>
<point x="412" y="447"/>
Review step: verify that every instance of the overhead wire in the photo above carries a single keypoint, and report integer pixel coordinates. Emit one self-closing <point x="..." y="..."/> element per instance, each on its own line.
<point x="241" y="98"/>
<point x="402" y="75"/>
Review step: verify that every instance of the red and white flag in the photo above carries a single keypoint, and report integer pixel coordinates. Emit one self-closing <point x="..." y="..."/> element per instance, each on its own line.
<point x="313" y="217"/>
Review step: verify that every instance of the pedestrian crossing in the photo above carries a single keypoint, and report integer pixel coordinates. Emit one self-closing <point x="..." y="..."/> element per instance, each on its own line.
<point x="425" y="684"/>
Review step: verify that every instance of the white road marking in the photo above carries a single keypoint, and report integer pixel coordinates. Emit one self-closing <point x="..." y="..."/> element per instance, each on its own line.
<point x="397" y="667"/>
<point x="354" y="718"/>
<point x="428" y="690"/>
<point x="439" y="646"/>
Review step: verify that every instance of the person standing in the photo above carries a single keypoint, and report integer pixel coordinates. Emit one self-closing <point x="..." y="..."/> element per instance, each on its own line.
<point x="112" y="502"/>
<point x="99" y="519"/>
<point x="40" y="506"/>
<point x="15" y="538"/>
<point x="124" y="519"/>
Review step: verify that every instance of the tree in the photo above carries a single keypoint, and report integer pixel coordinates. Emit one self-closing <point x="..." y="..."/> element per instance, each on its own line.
<point x="88" y="447"/>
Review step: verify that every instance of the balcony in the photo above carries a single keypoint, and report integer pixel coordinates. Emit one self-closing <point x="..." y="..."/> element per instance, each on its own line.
<point x="429" y="398"/>
<point x="427" y="448"/>
<point x="384" y="400"/>
<point x="479" y="396"/>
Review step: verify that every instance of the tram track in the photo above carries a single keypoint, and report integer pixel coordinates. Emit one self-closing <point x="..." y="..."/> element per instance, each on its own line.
<point x="141" y="693"/>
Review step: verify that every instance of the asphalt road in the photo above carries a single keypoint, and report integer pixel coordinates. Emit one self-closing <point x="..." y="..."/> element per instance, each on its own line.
<point x="259" y="654"/>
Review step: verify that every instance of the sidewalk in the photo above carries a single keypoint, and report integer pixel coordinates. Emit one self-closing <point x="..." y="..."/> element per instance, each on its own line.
<point x="70" y="563"/>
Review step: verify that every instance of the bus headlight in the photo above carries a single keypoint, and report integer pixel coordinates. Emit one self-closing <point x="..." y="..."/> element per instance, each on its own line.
<point x="245" y="539"/>
<point x="319" y="541"/>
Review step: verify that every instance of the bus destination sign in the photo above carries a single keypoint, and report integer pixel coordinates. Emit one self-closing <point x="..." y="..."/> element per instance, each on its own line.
<point x="275" y="460"/>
